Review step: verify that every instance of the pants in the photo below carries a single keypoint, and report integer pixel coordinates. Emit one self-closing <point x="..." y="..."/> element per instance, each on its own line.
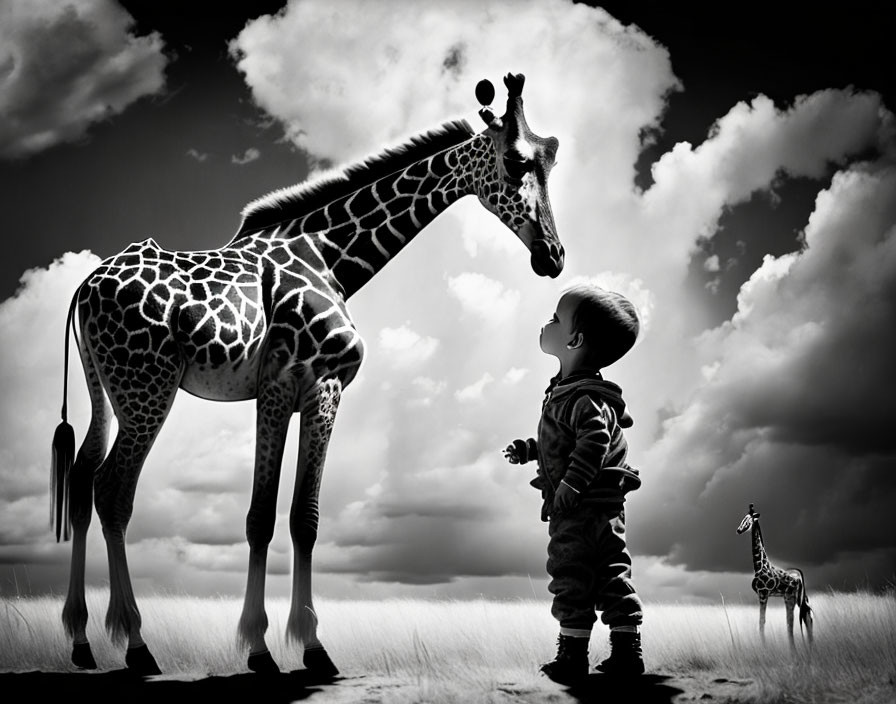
<point x="591" y="569"/>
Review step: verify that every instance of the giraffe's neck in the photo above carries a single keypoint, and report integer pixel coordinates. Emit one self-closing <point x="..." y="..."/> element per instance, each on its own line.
<point x="760" y="559"/>
<point x="358" y="234"/>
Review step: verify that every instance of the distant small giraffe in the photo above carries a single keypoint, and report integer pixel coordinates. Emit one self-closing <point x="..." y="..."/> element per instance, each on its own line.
<point x="774" y="581"/>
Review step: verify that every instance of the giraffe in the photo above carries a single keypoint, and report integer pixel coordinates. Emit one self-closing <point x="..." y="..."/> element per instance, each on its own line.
<point x="265" y="317"/>
<point x="774" y="581"/>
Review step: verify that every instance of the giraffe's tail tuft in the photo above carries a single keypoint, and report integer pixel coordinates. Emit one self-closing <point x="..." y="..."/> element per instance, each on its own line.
<point x="63" y="447"/>
<point x="63" y="458"/>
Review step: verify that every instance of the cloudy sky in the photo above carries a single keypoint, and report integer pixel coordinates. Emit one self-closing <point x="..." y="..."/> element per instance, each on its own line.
<point x="736" y="179"/>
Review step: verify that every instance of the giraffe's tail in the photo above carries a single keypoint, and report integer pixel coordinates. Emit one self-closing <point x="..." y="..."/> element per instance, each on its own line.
<point x="805" y="609"/>
<point x="63" y="449"/>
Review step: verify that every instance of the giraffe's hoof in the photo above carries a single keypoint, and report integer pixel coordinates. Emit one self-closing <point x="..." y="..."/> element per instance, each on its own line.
<point x="263" y="663"/>
<point x="318" y="663"/>
<point x="82" y="656"/>
<point x="141" y="662"/>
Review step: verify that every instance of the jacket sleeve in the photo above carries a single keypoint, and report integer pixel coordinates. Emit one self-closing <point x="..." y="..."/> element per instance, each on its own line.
<point x="589" y="421"/>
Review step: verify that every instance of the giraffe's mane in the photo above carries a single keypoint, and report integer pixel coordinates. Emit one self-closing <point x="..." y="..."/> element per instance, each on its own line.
<point x="295" y="201"/>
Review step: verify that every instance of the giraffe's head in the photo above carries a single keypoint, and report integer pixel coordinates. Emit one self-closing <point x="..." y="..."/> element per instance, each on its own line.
<point x="748" y="520"/>
<point x="515" y="184"/>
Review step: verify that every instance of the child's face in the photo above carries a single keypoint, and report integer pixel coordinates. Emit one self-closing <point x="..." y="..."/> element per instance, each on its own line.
<point x="558" y="332"/>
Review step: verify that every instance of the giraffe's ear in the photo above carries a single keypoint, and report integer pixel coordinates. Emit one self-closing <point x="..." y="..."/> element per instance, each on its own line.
<point x="488" y="117"/>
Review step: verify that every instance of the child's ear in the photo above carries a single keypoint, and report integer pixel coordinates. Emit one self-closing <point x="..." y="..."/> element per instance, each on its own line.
<point x="577" y="341"/>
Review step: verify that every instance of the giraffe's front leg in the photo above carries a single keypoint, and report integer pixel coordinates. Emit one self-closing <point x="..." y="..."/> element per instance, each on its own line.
<point x="763" y="602"/>
<point x="317" y="424"/>
<point x="276" y="398"/>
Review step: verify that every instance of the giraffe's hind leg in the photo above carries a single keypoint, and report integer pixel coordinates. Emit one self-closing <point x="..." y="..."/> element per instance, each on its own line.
<point x="90" y="456"/>
<point x="140" y="416"/>
<point x="789" y="603"/>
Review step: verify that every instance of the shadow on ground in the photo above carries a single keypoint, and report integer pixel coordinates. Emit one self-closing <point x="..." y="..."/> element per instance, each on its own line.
<point x="646" y="689"/>
<point x="121" y="686"/>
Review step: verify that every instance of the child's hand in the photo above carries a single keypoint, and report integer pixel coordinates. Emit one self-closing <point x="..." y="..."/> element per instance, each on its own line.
<point x="521" y="451"/>
<point x="566" y="498"/>
<point x="512" y="454"/>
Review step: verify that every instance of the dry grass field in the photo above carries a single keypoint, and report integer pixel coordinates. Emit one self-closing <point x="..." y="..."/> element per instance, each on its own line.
<point x="406" y="651"/>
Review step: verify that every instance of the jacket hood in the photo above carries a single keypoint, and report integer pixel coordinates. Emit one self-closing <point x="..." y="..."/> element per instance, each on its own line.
<point x="592" y="382"/>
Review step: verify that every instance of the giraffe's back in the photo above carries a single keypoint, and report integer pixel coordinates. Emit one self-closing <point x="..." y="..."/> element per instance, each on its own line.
<point x="211" y="314"/>
<point x="147" y="308"/>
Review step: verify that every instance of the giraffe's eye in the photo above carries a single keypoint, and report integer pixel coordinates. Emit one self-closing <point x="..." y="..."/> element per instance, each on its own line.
<point x="516" y="166"/>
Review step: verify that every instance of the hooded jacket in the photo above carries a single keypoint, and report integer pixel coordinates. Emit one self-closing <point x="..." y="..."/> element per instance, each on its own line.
<point x="580" y="441"/>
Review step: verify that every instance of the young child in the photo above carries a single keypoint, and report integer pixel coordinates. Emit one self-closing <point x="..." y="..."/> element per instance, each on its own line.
<point x="583" y="477"/>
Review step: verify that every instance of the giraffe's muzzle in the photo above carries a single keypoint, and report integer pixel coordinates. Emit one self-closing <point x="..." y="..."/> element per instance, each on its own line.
<point x="547" y="258"/>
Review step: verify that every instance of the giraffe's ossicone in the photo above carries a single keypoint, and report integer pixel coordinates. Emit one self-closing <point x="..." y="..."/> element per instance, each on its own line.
<point x="265" y="317"/>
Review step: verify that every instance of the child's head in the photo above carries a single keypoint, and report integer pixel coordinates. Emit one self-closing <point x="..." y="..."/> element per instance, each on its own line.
<point x="597" y="326"/>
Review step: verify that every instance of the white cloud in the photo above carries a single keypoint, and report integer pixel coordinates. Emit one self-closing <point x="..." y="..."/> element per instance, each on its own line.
<point x="420" y="70"/>
<point x="514" y="375"/>
<point x="65" y="66"/>
<point x="474" y="391"/>
<point x="197" y="155"/>
<point x="484" y="297"/>
<point x="429" y="386"/>
<point x="711" y="263"/>
<point x="406" y="347"/>
<point x="250" y="155"/>
<point x="749" y="148"/>
<point x="32" y="326"/>
<point x="430" y="390"/>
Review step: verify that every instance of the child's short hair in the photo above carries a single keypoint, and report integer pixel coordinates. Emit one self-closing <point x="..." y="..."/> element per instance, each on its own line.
<point x="607" y="320"/>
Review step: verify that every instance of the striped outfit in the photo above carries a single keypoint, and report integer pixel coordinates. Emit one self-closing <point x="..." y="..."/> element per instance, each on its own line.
<point x="580" y="441"/>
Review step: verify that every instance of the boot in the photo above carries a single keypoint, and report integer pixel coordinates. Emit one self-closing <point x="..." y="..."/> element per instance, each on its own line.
<point x="625" y="655"/>
<point x="571" y="664"/>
